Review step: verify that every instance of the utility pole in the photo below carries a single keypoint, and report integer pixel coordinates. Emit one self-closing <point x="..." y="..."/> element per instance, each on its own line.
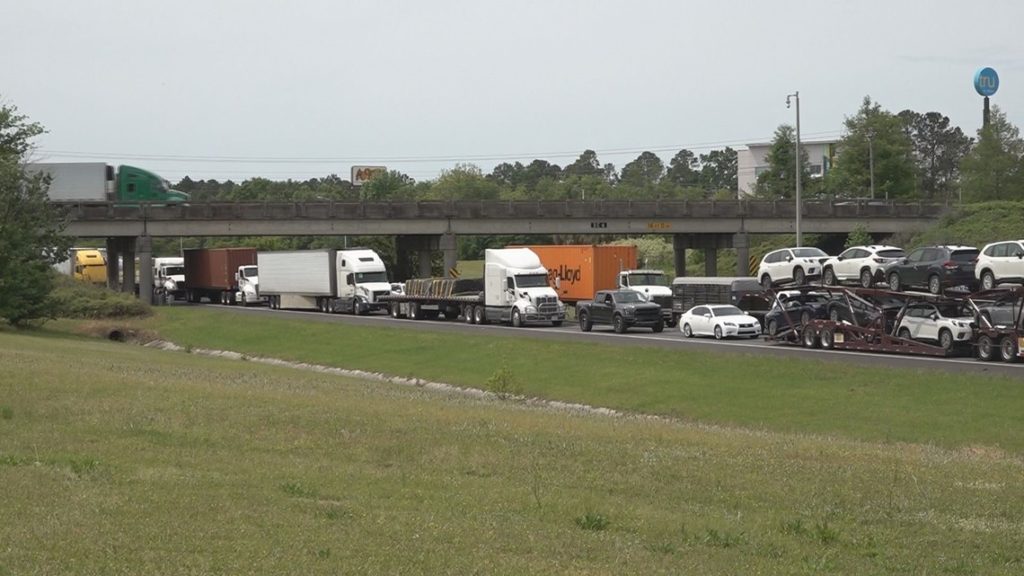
<point x="871" y="162"/>
<point x="796" y="96"/>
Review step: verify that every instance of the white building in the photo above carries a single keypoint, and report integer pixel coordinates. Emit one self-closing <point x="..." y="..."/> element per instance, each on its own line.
<point x="752" y="161"/>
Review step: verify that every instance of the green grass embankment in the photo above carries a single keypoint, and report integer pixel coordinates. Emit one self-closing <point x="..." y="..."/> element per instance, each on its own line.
<point x="790" y="395"/>
<point x="122" y="459"/>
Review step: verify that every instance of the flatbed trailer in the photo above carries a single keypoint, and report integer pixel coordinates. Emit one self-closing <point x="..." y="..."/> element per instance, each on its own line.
<point x="432" y="298"/>
<point x="831" y="334"/>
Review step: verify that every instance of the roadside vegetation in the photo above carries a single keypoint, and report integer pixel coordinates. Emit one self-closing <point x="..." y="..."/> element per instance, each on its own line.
<point x="118" y="459"/>
<point x="72" y="299"/>
<point x="954" y="410"/>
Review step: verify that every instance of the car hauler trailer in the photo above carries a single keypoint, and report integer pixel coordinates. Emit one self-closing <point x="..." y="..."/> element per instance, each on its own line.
<point x="997" y="338"/>
<point x="514" y="291"/>
<point x="853" y="333"/>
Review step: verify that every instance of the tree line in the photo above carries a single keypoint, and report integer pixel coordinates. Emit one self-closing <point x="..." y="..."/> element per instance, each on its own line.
<point x="910" y="156"/>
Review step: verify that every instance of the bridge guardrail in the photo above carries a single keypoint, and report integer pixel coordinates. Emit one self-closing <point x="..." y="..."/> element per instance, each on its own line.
<point x="502" y="209"/>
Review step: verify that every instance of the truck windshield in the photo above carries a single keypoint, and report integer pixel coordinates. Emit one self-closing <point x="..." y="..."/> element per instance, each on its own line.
<point x="371" y="277"/>
<point x="628" y="297"/>
<point x="174" y="271"/>
<point x="249" y="272"/>
<point x="647" y="280"/>
<point x="532" y="280"/>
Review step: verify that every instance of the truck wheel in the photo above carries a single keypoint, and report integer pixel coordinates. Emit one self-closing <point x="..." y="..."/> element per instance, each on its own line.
<point x="245" y="299"/>
<point x="618" y="324"/>
<point x="946" y="340"/>
<point x="1008" y="348"/>
<point x="894" y="282"/>
<point x="467" y="315"/>
<point x="986" y="348"/>
<point x="988" y="280"/>
<point x="396" y="310"/>
<point x="414" y="311"/>
<point x="585" y="324"/>
<point x="799" y="277"/>
<point x="480" y="315"/>
<point x="828" y="338"/>
<point x="829" y="277"/>
<point x="517" y="319"/>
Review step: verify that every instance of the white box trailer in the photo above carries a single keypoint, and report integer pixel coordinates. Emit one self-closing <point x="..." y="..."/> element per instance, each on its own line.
<point x="329" y="280"/>
<point x="77" y="181"/>
<point x="300" y="279"/>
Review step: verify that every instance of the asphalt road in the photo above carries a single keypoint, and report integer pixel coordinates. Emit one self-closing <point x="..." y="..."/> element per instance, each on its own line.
<point x="670" y="338"/>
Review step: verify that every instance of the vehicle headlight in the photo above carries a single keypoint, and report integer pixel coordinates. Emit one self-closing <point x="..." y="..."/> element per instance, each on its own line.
<point x="733" y="324"/>
<point x="629" y="311"/>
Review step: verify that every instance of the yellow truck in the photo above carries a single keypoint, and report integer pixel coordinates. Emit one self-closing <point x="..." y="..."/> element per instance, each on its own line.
<point x="85" y="265"/>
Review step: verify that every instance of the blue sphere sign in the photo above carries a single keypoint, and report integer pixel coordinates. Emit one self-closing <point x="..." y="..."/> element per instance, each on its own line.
<point x="986" y="81"/>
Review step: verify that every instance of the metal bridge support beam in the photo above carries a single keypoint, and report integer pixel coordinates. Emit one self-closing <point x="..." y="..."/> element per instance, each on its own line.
<point x="741" y="242"/>
<point x="450" y="249"/>
<point x="144" y="245"/>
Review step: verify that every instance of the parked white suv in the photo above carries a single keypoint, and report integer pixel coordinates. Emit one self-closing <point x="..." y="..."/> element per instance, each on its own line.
<point x="863" y="264"/>
<point x="796" y="265"/>
<point x="1000" y="262"/>
<point x="944" y="323"/>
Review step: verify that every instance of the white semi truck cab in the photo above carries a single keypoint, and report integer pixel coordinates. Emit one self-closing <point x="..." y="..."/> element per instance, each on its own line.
<point x="247" y="280"/>
<point x="516" y="288"/>
<point x="362" y="280"/>
<point x="653" y="285"/>
<point x="169" y="275"/>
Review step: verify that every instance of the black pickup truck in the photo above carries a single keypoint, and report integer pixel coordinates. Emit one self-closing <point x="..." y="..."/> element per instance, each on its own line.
<point x="620" y="308"/>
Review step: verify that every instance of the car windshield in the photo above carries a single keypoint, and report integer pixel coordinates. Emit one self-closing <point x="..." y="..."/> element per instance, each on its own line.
<point x="628" y="297"/>
<point x="531" y="280"/>
<point x="726" y="311"/>
<point x="362" y="277"/>
<point x="964" y="255"/>
<point x="647" y="280"/>
<point x="808" y="252"/>
<point x="249" y="271"/>
<point x="895" y="253"/>
<point x="174" y="271"/>
<point x="812" y="299"/>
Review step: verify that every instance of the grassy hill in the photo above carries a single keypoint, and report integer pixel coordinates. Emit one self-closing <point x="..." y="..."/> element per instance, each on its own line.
<point x="122" y="459"/>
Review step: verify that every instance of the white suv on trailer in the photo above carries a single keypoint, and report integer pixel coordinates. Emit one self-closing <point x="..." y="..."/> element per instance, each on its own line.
<point x="865" y="265"/>
<point x="1000" y="262"/>
<point x="790" y="265"/>
<point x="945" y="324"/>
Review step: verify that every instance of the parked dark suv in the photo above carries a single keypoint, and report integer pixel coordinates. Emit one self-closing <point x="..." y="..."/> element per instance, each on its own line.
<point x="934" y="268"/>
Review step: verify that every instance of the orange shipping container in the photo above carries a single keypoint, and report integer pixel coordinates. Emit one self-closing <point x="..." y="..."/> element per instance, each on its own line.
<point x="584" y="268"/>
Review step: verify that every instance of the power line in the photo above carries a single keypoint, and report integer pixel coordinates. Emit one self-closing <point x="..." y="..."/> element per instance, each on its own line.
<point x="397" y="159"/>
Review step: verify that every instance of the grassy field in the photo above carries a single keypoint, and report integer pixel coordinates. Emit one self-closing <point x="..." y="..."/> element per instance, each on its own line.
<point x="121" y="459"/>
<point x="854" y="401"/>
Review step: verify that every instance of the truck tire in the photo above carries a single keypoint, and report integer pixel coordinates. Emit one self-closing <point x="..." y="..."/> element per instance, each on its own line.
<point x="396" y="310"/>
<point x="618" y="324"/>
<point x="986" y="348"/>
<point x="414" y="311"/>
<point x="517" y="319"/>
<point x="585" y="324"/>
<point x="467" y="314"/>
<point x="479" y="314"/>
<point x="1008" y="348"/>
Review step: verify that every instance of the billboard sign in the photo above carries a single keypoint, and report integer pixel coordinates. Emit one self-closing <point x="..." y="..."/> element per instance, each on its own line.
<point x="362" y="174"/>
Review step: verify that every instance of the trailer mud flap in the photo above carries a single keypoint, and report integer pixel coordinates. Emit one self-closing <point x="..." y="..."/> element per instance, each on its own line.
<point x="838" y="337"/>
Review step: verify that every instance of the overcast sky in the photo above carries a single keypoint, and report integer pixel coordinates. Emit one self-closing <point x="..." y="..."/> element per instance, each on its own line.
<point x="301" y="89"/>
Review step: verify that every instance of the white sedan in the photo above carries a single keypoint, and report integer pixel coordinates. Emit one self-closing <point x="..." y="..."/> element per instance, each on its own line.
<point x="720" y="321"/>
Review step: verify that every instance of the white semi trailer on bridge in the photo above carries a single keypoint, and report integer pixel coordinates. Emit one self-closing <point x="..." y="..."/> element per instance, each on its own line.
<point x="352" y="281"/>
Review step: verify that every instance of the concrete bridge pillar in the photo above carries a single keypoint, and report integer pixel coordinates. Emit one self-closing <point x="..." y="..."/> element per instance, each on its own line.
<point x="144" y="245"/>
<point x="711" y="261"/>
<point x="679" y="253"/>
<point x="450" y="249"/>
<point x="113" y="264"/>
<point x="127" y="265"/>
<point x="741" y="242"/>
<point x="414" y="254"/>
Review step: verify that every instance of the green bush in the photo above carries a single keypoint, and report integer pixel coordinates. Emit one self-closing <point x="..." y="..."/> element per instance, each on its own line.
<point x="71" y="299"/>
